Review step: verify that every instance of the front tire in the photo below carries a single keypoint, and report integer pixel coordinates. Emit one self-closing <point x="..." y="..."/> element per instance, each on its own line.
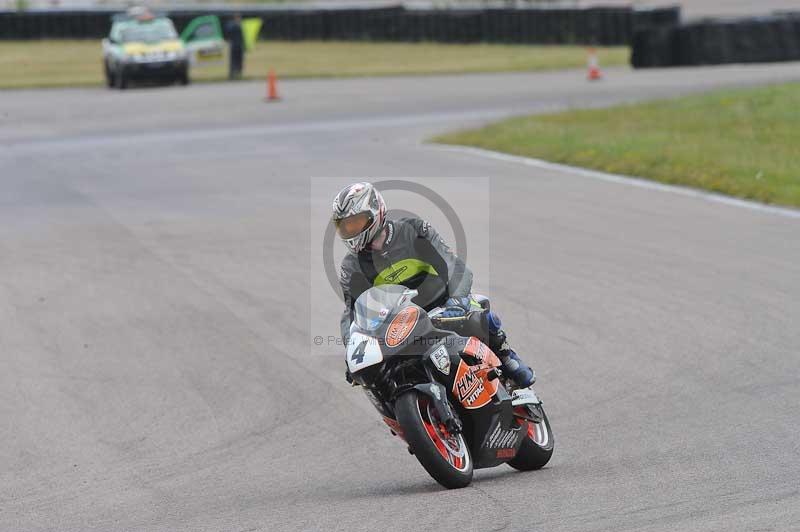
<point x="537" y="448"/>
<point x="109" y="75"/>
<point x="183" y="77"/>
<point x="444" y="456"/>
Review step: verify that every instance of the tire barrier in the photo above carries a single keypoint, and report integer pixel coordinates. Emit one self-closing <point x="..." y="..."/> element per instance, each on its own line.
<point x="717" y="42"/>
<point x="596" y="25"/>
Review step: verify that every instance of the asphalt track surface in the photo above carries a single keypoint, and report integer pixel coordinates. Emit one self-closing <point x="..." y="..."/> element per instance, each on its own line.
<point x="157" y="369"/>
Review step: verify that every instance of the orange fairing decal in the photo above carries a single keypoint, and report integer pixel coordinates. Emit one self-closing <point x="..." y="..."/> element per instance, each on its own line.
<point x="481" y="351"/>
<point x="401" y="326"/>
<point x="472" y="387"/>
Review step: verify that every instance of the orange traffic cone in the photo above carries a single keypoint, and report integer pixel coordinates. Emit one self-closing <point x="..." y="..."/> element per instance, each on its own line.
<point x="594" y="66"/>
<point x="272" y="87"/>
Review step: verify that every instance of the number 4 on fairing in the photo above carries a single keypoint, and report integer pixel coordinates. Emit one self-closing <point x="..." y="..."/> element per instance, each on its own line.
<point x="363" y="351"/>
<point x="359" y="353"/>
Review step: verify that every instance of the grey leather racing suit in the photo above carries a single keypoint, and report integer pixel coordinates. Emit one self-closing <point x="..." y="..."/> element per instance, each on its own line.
<point x="413" y="255"/>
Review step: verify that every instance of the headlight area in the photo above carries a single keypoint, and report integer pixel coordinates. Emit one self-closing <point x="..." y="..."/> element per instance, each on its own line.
<point x="152" y="66"/>
<point x="156" y="58"/>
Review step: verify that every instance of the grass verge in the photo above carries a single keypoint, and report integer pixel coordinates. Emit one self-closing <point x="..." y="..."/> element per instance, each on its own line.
<point x="743" y="143"/>
<point x="60" y="63"/>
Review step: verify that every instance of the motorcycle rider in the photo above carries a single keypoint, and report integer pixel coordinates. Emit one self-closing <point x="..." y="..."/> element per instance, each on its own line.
<point x="408" y="252"/>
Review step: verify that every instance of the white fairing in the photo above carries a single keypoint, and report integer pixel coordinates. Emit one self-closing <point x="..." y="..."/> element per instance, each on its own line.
<point x="524" y="396"/>
<point x="363" y="351"/>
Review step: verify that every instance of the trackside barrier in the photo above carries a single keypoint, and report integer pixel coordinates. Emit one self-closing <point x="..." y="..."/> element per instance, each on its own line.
<point x="716" y="42"/>
<point x="593" y="26"/>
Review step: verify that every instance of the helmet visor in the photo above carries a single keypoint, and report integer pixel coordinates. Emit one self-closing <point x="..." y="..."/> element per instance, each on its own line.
<point x="354" y="225"/>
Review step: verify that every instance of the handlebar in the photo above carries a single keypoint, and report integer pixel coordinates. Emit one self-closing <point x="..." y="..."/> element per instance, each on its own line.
<point x="470" y="324"/>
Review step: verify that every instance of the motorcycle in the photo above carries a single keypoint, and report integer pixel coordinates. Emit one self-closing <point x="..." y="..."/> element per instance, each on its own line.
<point x="441" y="389"/>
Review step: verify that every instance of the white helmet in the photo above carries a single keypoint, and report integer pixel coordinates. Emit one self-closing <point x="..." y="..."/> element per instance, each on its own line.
<point x="359" y="213"/>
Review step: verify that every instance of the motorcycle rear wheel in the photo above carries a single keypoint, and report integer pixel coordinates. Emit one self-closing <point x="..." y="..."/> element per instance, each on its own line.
<point x="537" y="448"/>
<point x="444" y="456"/>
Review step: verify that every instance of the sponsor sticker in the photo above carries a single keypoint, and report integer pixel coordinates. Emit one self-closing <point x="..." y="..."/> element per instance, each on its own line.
<point x="477" y="349"/>
<point x="481" y="352"/>
<point x="390" y="234"/>
<point x="395" y="275"/>
<point x="425" y="228"/>
<point x="505" y="453"/>
<point x="401" y="326"/>
<point x="441" y="359"/>
<point x="524" y="396"/>
<point x="501" y="438"/>
<point x="471" y="388"/>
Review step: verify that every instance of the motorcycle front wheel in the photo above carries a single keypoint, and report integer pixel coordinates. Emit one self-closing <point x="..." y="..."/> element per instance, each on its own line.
<point x="444" y="455"/>
<point x="537" y="448"/>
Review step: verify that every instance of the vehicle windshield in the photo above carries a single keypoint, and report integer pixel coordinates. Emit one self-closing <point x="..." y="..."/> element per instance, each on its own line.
<point x="376" y="304"/>
<point x="155" y="31"/>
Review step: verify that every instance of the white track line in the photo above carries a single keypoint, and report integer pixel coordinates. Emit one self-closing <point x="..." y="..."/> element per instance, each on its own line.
<point x="187" y="134"/>
<point x="624" y="180"/>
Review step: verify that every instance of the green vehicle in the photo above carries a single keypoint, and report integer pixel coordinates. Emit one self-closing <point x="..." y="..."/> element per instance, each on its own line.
<point x="142" y="46"/>
<point x="204" y="40"/>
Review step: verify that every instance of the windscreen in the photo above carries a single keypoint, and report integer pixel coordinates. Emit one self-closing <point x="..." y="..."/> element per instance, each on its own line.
<point x="155" y="31"/>
<point x="376" y="304"/>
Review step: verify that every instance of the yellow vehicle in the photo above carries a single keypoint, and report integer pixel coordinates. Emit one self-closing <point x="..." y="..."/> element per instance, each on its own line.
<point x="142" y="47"/>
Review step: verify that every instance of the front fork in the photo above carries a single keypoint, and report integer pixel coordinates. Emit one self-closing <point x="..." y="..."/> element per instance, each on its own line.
<point x="437" y="393"/>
